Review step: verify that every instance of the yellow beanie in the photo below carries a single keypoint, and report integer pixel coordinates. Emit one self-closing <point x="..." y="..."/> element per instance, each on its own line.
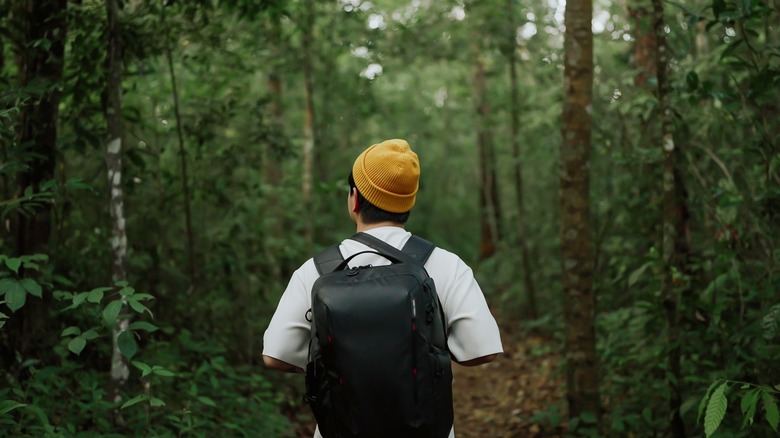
<point x="387" y="175"/>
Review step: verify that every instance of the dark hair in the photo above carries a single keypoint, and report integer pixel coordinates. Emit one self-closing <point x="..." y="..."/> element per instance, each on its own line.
<point x="370" y="213"/>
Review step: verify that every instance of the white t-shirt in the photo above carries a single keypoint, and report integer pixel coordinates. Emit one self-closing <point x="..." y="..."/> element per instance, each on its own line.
<point x="472" y="330"/>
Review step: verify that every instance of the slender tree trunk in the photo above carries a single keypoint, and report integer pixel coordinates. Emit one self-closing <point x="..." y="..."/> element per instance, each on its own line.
<point x="272" y="164"/>
<point x="644" y="45"/>
<point x="514" y="112"/>
<point x="182" y="156"/>
<point x="488" y="187"/>
<point x="119" y="369"/>
<point x="308" y="121"/>
<point x="673" y="225"/>
<point x="578" y="294"/>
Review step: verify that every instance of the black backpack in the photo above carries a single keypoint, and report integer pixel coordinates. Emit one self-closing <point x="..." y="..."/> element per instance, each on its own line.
<point x="378" y="361"/>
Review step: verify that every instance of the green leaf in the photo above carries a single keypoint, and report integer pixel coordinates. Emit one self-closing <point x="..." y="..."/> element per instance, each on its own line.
<point x="135" y="400"/>
<point x="770" y="406"/>
<point x="39" y="257"/>
<point x="78" y="299"/>
<point x="90" y="334"/>
<point x="32" y="265"/>
<point x="138" y="307"/>
<point x="32" y="287"/>
<point x="748" y="399"/>
<point x="70" y="331"/>
<point x="127" y="291"/>
<point x="143" y="297"/>
<point x="716" y="410"/>
<point x="7" y="406"/>
<point x="703" y="402"/>
<point x="156" y="402"/>
<point x="5" y="284"/>
<point x="207" y="401"/>
<point x="634" y="277"/>
<point x="143" y="325"/>
<point x="15" y="297"/>
<point x="145" y="369"/>
<point x="121" y="283"/>
<point x="77" y="344"/>
<point x="127" y="344"/>
<point x="13" y="264"/>
<point x="163" y="372"/>
<point x="96" y="295"/>
<point x="111" y="312"/>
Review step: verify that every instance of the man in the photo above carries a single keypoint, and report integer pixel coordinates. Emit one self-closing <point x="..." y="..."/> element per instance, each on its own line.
<point x="383" y="187"/>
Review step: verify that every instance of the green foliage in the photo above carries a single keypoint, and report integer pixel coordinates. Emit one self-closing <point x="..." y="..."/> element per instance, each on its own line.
<point x="717" y="403"/>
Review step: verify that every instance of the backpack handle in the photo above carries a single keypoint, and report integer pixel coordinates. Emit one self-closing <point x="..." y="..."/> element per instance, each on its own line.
<point x="345" y="263"/>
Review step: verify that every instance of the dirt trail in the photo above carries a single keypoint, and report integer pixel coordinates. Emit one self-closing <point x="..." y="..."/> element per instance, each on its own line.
<point x="500" y="399"/>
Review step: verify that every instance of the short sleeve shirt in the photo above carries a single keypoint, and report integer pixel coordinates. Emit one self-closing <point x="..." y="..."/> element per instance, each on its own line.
<point x="473" y="331"/>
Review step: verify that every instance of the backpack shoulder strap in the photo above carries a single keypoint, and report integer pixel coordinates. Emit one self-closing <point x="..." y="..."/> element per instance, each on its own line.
<point x="416" y="250"/>
<point x="327" y="260"/>
<point x="419" y="248"/>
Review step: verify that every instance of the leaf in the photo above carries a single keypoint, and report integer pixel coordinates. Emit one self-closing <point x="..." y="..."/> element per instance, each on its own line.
<point x="634" y="277"/>
<point x="78" y="299"/>
<point x="143" y="325"/>
<point x="138" y="307"/>
<point x="32" y="287"/>
<point x="156" y="402"/>
<point x="770" y="406"/>
<point x="207" y="401"/>
<point x="15" y="297"/>
<point x="143" y="297"/>
<point x="96" y="295"/>
<point x="7" y="406"/>
<point x="70" y="331"/>
<point x="5" y="284"/>
<point x="77" y="344"/>
<point x="135" y="400"/>
<point x="127" y="292"/>
<point x="13" y="264"/>
<point x="716" y="410"/>
<point x="163" y="372"/>
<point x="145" y="369"/>
<point x="749" y="399"/>
<point x="111" y="312"/>
<point x="90" y="334"/>
<point x="32" y="265"/>
<point x="127" y="344"/>
<point x="703" y="402"/>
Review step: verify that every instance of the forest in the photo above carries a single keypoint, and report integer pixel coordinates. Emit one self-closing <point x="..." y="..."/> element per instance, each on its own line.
<point x="609" y="168"/>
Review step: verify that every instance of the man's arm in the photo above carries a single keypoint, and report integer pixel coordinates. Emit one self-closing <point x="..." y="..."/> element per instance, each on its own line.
<point x="280" y="365"/>
<point x="478" y="361"/>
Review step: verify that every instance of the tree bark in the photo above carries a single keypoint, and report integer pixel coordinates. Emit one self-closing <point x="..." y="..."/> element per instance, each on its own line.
<point x="645" y="42"/>
<point x="308" y="122"/>
<point x="182" y="156"/>
<point x="46" y="21"/>
<point x="40" y="60"/>
<point x="674" y="225"/>
<point x="488" y="189"/>
<point x="119" y="369"/>
<point x="514" y="112"/>
<point x="577" y="259"/>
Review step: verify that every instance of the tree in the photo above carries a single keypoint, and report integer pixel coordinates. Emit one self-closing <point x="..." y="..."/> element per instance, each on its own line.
<point x="582" y="391"/>
<point x="113" y="113"/>
<point x="514" y="123"/>
<point x="675" y="245"/>
<point x="308" y="119"/>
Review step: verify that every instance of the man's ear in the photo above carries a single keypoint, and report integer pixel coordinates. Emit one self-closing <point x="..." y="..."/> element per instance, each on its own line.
<point x="356" y="206"/>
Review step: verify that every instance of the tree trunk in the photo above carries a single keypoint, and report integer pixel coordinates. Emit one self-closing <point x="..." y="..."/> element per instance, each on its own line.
<point x="40" y="62"/>
<point x="673" y="225"/>
<point x="182" y="157"/>
<point x="40" y="67"/>
<point x="308" y="122"/>
<point x="578" y="294"/>
<point x="119" y="369"/>
<point x="644" y="44"/>
<point x="514" y="111"/>
<point x="488" y="188"/>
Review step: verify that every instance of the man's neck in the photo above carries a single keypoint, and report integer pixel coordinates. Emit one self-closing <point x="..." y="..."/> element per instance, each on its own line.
<point x="365" y="227"/>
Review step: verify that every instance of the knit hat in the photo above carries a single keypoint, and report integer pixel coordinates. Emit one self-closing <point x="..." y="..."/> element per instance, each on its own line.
<point x="387" y="175"/>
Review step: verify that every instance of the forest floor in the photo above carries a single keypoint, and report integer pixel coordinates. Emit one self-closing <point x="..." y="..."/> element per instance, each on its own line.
<point x="520" y="394"/>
